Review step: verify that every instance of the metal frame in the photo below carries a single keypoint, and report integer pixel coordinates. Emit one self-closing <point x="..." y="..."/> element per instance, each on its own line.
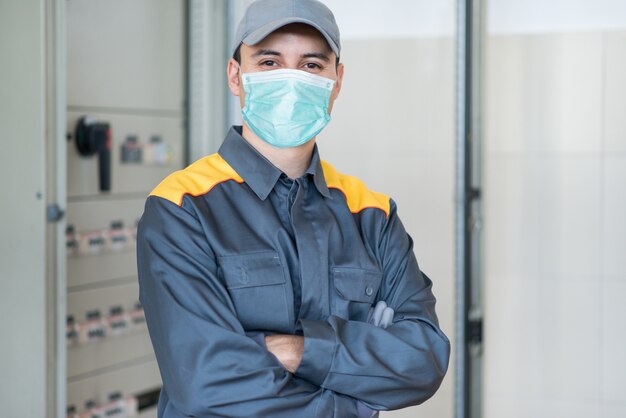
<point x="56" y="196"/>
<point x="468" y="214"/>
<point x="206" y="52"/>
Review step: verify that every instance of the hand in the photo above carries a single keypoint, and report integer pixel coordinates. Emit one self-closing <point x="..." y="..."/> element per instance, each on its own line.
<point x="381" y="315"/>
<point x="287" y="349"/>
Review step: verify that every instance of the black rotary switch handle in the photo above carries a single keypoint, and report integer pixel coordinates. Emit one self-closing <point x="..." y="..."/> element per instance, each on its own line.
<point x="95" y="137"/>
<point x="104" y="160"/>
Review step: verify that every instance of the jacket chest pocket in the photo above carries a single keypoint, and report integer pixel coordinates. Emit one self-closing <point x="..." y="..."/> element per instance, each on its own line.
<point x="355" y="292"/>
<point x="257" y="286"/>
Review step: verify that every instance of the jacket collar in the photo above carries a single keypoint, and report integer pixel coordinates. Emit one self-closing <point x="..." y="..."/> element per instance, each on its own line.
<point x="257" y="171"/>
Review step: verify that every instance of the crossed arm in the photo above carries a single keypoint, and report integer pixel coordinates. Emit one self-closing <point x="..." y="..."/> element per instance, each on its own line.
<point x="288" y="348"/>
<point x="210" y="367"/>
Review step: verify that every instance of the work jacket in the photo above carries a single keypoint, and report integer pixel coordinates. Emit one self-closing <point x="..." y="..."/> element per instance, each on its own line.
<point x="230" y="250"/>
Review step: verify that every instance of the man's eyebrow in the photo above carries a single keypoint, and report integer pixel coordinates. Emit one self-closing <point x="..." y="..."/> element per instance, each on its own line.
<point x="261" y="52"/>
<point x="320" y="55"/>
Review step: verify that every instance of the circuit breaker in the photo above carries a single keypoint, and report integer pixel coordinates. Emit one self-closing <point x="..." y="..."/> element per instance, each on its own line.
<point x="126" y="132"/>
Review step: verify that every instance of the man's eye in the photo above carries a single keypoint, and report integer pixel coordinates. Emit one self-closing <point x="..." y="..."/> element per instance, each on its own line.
<point x="312" y="66"/>
<point x="269" y="63"/>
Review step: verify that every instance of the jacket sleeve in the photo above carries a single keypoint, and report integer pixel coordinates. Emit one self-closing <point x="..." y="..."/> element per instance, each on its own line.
<point x="390" y="368"/>
<point x="209" y="367"/>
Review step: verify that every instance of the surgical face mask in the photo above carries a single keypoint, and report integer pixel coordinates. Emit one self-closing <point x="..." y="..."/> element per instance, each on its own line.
<point x="286" y="108"/>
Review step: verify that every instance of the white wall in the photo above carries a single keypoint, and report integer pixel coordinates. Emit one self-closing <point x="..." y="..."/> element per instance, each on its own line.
<point x="22" y="227"/>
<point x="540" y="16"/>
<point x="376" y="19"/>
<point x="555" y="333"/>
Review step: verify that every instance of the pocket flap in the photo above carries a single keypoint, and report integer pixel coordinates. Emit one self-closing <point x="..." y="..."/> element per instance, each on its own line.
<point x="250" y="270"/>
<point x="357" y="284"/>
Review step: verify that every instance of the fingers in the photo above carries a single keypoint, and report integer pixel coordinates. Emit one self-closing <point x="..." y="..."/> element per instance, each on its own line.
<point x="377" y="314"/>
<point x="386" y="318"/>
<point x="381" y="315"/>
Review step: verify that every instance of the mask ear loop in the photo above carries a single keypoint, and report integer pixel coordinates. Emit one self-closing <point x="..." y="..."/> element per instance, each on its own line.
<point x="240" y="75"/>
<point x="241" y="86"/>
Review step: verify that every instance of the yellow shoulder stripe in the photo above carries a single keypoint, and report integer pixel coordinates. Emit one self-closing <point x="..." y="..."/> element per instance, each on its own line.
<point x="197" y="179"/>
<point x="358" y="196"/>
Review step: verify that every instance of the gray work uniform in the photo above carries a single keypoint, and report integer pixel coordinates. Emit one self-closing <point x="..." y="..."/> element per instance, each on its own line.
<point x="231" y="249"/>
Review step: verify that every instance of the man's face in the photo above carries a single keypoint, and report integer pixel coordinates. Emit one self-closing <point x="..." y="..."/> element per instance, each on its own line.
<point x="296" y="46"/>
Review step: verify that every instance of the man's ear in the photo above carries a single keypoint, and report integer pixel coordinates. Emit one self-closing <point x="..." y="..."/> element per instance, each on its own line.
<point x="338" y="83"/>
<point x="232" y="71"/>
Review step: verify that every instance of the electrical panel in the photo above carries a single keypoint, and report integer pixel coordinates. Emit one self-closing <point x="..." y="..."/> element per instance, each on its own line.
<point x="126" y="132"/>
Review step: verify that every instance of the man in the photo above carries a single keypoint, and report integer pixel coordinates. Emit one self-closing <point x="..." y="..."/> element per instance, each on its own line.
<point x="273" y="285"/>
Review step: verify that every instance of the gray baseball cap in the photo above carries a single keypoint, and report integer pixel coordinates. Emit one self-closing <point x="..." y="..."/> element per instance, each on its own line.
<point x="265" y="16"/>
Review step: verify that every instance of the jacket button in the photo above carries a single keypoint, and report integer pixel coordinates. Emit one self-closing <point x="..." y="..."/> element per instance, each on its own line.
<point x="369" y="291"/>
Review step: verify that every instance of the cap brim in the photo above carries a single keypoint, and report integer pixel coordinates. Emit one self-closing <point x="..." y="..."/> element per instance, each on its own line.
<point x="258" y="35"/>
